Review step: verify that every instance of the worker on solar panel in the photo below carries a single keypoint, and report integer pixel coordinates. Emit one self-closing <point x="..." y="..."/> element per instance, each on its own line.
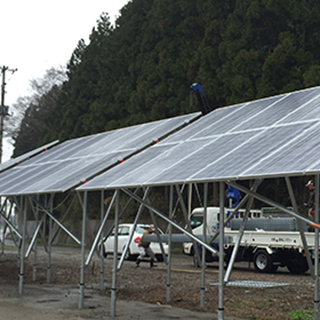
<point x="144" y="248"/>
<point x="311" y="201"/>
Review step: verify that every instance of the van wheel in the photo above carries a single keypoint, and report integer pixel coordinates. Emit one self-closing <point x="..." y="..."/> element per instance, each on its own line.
<point x="263" y="262"/>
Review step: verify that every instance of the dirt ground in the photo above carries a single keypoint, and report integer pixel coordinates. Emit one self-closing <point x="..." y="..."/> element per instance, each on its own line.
<point x="136" y="287"/>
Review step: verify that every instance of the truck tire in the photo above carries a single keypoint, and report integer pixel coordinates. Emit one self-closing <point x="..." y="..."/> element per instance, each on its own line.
<point x="298" y="265"/>
<point x="263" y="262"/>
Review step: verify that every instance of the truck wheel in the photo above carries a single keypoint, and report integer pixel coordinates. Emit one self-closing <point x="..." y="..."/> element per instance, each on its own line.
<point x="298" y="265"/>
<point x="263" y="262"/>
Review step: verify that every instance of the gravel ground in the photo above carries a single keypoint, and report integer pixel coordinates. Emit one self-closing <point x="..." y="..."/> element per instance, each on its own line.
<point x="142" y="291"/>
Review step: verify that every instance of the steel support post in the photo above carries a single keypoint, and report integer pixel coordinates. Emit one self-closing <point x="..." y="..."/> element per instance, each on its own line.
<point x="115" y="257"/>
<point x="170" y="244"/>
<point x="49" y="240"/>
<point x="20" y="228"/>
<point x="83" y="248"/>
<point x="101" y="243"/>
<point x="204" y="232"/>
<point x="34" y="267"/>
<point x="24" y="235"/>
<point x="316" y="251"/>
<point x="221" y="255"/>
<point x="189" y="200"/>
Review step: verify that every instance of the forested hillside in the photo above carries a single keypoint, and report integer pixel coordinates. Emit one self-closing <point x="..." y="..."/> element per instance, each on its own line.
<point x="141" y="69"/>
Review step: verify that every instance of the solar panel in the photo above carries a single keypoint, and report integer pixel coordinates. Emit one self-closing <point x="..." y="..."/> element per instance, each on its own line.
<point x="269" y="137"/>
<point x="73" y="162"/>
<point x="15" y="161"/>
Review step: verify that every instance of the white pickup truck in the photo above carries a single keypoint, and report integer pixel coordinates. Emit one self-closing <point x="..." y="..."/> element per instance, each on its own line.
<point x="270" y="239"/>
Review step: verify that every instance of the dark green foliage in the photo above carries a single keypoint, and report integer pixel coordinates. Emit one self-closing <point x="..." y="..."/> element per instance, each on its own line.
<point x="141" y="69"/>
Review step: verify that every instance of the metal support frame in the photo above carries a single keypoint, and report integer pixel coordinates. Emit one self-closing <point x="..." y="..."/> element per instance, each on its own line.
<point x="24" y="233"/>
<point x="101" y="242"/>
<point x="192" y="236"/>
<point x="42" y="232"/>
<point x="235" y="210"/>
<point x="204" y="233"/>
<point x="50" y="205"/>
<point x="240" y="234"/>
<point x="221" y="254"/>
<point x="19" y="205"/>
<point x="314" y="224"/>
<point x="145" y="196"/>
<point x="8" y="223"/>
<point x="63" y="218"/>
<point x="115" y="257"/>
<point x="57" y="222"/>
<point x="185" y="213"/>
<point x="83" y="249"/>
<point x="157" y="232"/>
<point x="34" y="267"/>
<point x="273" y="204"/>
<point x="34" y="238"/>
<point x="99" y="233"/>
<point x="316" y="254"/>
<point x="168" y="291"/>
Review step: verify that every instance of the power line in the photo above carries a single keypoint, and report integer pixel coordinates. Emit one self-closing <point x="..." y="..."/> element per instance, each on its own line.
<point x="3" y="109"/>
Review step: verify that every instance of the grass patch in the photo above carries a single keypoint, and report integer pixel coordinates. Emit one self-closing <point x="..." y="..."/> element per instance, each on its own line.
<point x="242" y="304"/>
<point x="176" y="250"/>
<point x="301" y="314"/>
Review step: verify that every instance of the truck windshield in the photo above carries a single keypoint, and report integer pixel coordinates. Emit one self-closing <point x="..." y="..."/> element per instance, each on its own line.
<point x="196" y="220"/>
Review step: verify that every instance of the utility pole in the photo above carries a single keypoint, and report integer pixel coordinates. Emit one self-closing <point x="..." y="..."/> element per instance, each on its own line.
<point x="3" y="109"/>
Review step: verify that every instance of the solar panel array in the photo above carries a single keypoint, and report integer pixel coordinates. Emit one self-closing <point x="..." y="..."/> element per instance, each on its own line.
<point x="73" y="162"/>
<point x="15" y="161"/>
<point x="270" y="137"/>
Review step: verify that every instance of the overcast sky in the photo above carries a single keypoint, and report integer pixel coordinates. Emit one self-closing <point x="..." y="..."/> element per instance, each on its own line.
<point x="37" y="35"/>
